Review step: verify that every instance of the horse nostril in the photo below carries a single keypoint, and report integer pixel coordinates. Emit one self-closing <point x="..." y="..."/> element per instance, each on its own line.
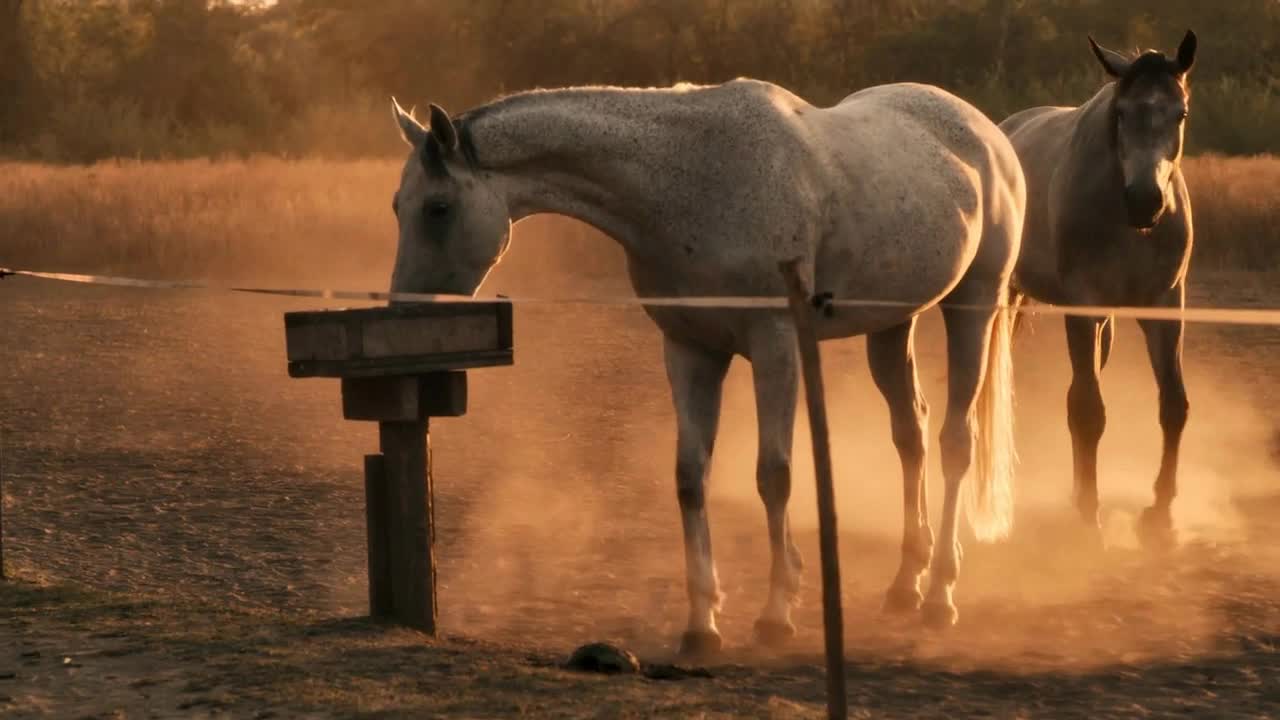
<point x="1144" y="205"/>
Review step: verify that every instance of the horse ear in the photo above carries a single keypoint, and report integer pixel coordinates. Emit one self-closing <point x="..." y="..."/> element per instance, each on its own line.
<point x="442" y="127"/>
<point x="411" y="131"/>
<point x="1187" y="53"/>
<point x="1113" y="62"/>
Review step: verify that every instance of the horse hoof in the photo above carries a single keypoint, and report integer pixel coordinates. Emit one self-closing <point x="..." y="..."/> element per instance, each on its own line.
<point x="1155" y="530"/>
<point x="772" y="633"/>
<point x="900" y="600"/>
<point x="699" y="644"/>
<point x="1091" y="539"/>
<point x="939" y="616"/>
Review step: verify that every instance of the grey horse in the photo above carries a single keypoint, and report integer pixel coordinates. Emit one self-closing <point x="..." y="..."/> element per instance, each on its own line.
<point x="1109" y="223"/>
<point x="899" y="192"/>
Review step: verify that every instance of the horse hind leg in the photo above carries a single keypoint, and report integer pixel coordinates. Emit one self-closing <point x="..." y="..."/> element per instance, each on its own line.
<point x="978" y="430"/>
<point x="697" y="379"/>
<point x="891" y="359"/>
<point x="775" y="376"/>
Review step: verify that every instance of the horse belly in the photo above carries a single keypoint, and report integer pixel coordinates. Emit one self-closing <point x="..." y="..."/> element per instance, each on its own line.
<point x="894" y="286"/>
<point x="716" y="329"/>
<point x="1135" y="269"/>
<point x="907" y="253"/>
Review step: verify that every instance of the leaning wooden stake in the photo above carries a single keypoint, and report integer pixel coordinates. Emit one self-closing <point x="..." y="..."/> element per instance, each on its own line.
<point x="2" y="577"/>
<point x="811" y="365"/>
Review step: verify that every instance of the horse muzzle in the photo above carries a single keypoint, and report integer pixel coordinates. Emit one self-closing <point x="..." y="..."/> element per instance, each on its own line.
<point x="1144" y="206"/>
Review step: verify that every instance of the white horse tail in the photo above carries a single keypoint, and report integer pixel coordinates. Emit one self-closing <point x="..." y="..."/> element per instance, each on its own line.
<point x="988" y="498"/>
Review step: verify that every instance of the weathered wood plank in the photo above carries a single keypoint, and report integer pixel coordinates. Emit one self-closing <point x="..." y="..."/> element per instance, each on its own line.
<point x="420" y="365"/>
<point x="401" y="339"/>
<point x="400" y="336"/>
<point x="381" y="602"/>
<point x="506" y="330"/>
<point x="405" y="397"/>
<point x="298" y="318"/>
<point x="317" y="342"/>
<point x="407" y="452"/>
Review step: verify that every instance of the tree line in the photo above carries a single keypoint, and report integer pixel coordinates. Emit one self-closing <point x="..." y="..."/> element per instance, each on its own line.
<point x="90" y="79"/>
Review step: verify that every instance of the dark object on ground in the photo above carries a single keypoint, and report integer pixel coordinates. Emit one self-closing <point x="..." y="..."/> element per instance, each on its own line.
<point x="603" y="658"/>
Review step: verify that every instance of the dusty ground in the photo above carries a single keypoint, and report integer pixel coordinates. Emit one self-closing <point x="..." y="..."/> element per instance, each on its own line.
<point x="185" y="526"/>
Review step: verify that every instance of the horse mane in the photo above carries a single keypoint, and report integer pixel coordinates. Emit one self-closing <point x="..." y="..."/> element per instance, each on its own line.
<point x="465" y="121"/>
<point x="508" y="100"/>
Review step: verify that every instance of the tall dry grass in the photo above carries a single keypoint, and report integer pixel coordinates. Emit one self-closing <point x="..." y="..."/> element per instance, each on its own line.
<point x="315" y="221"/>
<point x="1236" y="206"/>
<point x="242" y="220"/>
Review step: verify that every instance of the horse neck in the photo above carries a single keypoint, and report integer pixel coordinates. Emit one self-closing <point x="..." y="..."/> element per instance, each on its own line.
<point x="588" y="154"/>
<point x="1093" y="162"/>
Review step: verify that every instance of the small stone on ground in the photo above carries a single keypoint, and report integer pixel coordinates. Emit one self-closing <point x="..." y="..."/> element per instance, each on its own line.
<point x="603" y="658"/>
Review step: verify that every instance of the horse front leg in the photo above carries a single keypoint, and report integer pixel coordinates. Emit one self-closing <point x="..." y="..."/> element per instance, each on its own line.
<point x="892" y="362"/>
<point x="697" y="378"/>
<point x="776" y="379"/>
<point x="1086" y="415"/>
<point x="1164" y="347"/>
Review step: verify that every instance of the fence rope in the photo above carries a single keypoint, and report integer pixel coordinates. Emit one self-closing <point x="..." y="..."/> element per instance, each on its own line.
<point x="1215" y="315"/>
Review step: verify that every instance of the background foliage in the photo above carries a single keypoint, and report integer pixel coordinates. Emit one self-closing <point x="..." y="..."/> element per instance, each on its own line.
<point x="91" y="79"/>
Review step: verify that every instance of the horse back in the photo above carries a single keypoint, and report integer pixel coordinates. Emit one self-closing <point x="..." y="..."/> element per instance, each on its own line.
<point x="948" y="120"/>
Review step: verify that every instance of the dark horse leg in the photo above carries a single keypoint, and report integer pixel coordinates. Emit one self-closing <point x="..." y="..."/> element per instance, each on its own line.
<point x="1086" y="415"/>
<point x="1164" y="346"/>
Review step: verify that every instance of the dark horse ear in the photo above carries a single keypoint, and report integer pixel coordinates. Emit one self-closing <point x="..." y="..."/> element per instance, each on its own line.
<point x="1187" y="53"/>
<point x="442" y="128"/>
<point x="1113" y="62"/>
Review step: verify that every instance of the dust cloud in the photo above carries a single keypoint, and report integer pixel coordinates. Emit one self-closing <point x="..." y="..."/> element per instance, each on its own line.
<point x="574" y="531"/>
<point x="557" y="521"/>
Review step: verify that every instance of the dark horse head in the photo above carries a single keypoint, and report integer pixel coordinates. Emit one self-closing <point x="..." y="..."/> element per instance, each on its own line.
<point x="1148" y="117"/>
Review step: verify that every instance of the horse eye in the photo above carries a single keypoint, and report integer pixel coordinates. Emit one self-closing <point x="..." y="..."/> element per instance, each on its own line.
<point x="438" y="209"/>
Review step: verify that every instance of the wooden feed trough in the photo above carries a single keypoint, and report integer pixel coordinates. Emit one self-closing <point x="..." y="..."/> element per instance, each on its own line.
<point x="400" y="366"/>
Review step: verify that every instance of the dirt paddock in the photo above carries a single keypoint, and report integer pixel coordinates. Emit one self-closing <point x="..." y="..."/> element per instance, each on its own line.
<point x="185" y="528"/>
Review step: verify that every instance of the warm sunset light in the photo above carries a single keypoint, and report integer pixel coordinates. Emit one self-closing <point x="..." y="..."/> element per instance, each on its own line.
<point x="639" y="358"/>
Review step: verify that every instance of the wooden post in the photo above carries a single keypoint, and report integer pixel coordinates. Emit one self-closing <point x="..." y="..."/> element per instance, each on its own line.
<point x="399" y="367"/>
<point x="2" y="576"/>
<point x="378" y="537"/>
<point x="828" y="538"/>
<point x="407" y="467"/>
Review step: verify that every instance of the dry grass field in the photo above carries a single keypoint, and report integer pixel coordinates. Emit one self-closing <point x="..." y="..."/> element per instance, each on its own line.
<point x="264" y="220"/>
<point x="185" y="529"/>
<point x="291" y="222"/>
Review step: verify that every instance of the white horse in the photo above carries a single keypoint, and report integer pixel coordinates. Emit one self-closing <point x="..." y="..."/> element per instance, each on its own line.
<point x="900" y="192"/>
